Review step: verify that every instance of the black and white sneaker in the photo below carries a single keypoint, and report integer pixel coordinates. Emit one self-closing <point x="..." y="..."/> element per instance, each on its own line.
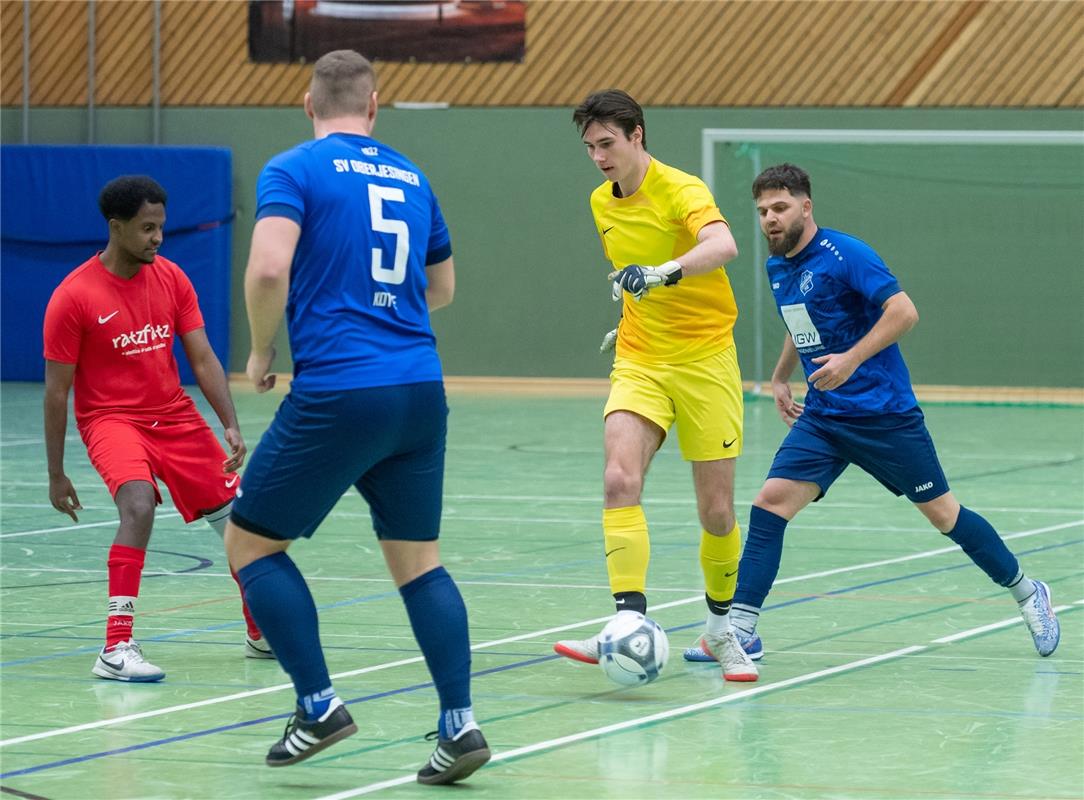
<point x="455" y="758"/>
<point x="303" y="738"/>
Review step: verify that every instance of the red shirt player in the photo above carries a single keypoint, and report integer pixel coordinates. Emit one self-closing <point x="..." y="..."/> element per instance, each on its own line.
<point x="109" y="329"/>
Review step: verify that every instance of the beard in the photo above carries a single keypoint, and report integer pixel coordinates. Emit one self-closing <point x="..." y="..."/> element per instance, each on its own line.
<point x="790" y="239"/>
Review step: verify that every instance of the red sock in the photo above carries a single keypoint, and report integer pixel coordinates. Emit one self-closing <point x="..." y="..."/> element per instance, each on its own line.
<point x="125" y="569"/>
<point x="250" y="623"/>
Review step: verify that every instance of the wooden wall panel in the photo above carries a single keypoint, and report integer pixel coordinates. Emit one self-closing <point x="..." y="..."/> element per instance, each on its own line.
<point x="11" y="53"/>
<point x="124" y="46"/>
<point x="58" y="53"/>
<point x="937" y="53"/>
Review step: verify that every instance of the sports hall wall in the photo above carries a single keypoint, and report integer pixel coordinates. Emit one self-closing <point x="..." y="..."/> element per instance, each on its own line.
<point x="988" y="240"/>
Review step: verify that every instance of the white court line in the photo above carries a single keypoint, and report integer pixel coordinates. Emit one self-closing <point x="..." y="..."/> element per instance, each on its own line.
<point x="823" y="505"/>
<point x="484" y="645"/>
<point x="113" y="522"/>
<point x="633" y="723"/>
<point x="682" y="711"/>
<point x="50" y="505"/>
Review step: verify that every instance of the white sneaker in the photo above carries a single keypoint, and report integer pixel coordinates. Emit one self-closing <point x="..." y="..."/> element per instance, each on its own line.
<point x="258" y="648"/>
<point x="1038" y="613"/>
<point x="585" y="650"/>
<point x="727" y="650"/>
<point x="125" y="662"/>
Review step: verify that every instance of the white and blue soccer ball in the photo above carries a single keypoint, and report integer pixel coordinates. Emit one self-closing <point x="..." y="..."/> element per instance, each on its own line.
<point x="632" y="649"/>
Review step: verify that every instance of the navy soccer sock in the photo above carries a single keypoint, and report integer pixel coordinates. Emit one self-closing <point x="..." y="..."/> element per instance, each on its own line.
<point x="759" y="559"/>
<point x="439" y="619"/>
<point x="980" y="541"/>
<point x="279" y="599"/>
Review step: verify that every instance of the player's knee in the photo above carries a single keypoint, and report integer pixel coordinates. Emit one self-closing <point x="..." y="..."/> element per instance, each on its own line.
<point x="621" y="486"/>
<point x="785" y="498"/>
<point x="942" y="512"/>
<point x="942" y="519"/>
<point x="136" y="510"/>
<point x="770" y="499"/>
<point x="718" y="519"/>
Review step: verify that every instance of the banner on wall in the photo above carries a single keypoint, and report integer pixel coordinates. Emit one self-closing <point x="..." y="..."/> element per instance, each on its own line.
<point x="388" y="30"/>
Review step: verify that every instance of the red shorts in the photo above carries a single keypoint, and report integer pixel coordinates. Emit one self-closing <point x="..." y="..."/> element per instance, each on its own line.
<point x="181" y="450"/>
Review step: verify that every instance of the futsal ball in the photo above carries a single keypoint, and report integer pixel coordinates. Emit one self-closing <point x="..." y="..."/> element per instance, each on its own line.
<point x="632" y="649"/>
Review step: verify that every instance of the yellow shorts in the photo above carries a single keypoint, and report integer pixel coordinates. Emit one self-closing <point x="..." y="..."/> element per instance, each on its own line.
<point x="703" y="398"/>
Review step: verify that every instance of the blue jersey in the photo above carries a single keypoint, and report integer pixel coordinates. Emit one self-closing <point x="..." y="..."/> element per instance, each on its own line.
<point x="370" y="224"/>
<point x="830" y="295"/>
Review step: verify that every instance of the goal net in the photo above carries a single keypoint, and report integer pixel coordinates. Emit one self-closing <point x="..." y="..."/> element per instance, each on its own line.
<point x="983" y="228"/>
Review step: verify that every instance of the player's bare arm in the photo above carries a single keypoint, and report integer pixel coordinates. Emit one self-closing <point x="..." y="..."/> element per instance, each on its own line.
<point x="212" y="382"/>
<point x="900" y="315"/>
<point x="267" y="284"/>
<point x="58" y="383"/>
<point x="715" y="247"/>
<point x="789" y="409"/>
<point x="441" y="284"/>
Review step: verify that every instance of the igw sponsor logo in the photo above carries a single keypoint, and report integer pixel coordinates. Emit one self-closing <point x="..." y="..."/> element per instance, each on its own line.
<point x="145" y="335"/>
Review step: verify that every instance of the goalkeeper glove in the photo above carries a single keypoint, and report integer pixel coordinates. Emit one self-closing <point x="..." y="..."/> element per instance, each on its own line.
<point x="637" y="280"/>
<point x="609" y="342"/>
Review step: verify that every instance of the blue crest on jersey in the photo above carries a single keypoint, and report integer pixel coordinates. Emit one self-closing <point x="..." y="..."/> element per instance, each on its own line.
<point x="806" y="285"/>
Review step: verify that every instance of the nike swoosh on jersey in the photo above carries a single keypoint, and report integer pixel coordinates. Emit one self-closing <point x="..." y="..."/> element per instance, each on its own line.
<point x="229" y="484"/>
<point x="102" y="320"/>
<point x="731" y="442"/>
<point x="607" y="230"/>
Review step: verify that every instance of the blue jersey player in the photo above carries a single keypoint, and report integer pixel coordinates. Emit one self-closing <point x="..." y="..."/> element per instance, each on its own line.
<point x="350" y="243"/>
<point x="844" y="312"/>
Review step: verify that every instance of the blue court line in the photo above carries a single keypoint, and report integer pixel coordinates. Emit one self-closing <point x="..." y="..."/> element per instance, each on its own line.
<point x="249" y="723"/>
<point x="480" y="673"/>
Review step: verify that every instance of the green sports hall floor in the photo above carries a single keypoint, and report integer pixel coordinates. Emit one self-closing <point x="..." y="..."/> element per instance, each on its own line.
<point x="894" y="668"/>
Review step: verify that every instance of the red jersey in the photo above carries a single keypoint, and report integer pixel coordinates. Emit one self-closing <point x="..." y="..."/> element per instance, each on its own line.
<point x="119" y="334"/>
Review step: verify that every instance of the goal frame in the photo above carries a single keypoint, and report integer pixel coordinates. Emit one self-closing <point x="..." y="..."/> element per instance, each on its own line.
<point x="711" y="137"/>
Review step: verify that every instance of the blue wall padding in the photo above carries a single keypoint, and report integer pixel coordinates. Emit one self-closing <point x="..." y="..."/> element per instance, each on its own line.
<point x="51" y="224"/>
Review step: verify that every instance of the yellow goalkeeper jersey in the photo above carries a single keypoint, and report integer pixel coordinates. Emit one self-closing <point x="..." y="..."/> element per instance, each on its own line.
<point x="692" y="319"/>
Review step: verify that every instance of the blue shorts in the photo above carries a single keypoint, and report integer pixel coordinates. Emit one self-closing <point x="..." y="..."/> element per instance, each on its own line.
<point x="896" y="449"/>
<point x="387" y="441"/>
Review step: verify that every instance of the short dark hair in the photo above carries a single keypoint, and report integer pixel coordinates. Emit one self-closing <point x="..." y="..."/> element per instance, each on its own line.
<point x="122" y="197"/>
<point x="342" y="82"/>
<point x="783" y="176"/>
<point x="614" y="106"/>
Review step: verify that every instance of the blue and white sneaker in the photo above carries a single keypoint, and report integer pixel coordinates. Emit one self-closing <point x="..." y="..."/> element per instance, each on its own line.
<point x="750" y="643"/>
<point x="697" y="653"/>
<point x="1039" y="616"/>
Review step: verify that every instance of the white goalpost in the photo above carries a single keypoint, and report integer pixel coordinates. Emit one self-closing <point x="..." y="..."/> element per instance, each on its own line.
<point x="754" y="137"/>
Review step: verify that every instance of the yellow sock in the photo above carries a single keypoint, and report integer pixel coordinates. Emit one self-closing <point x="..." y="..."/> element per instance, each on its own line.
<point x="628" y="549"/>
<point x="719" y="559"/>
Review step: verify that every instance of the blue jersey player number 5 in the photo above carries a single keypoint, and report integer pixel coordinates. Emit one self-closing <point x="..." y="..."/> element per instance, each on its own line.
<point x="356" y="313"/>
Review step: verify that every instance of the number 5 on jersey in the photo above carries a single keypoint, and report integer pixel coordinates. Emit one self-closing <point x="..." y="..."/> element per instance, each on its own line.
<point x="378" y="195"/>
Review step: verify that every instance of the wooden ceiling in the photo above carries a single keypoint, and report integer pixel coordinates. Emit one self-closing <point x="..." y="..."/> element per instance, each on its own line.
<point x="767" y="53"/>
